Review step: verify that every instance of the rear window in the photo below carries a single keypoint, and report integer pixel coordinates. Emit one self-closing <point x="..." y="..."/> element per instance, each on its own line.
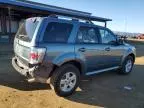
<point x="57" y="32"/>
<point x="27" y="29"/>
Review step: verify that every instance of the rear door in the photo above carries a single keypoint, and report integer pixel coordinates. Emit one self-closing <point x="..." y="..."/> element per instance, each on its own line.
<point x="87" y="47"/>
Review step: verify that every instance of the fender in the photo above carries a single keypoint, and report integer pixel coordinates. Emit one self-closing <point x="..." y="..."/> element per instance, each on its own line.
<point x="128" y="52"/>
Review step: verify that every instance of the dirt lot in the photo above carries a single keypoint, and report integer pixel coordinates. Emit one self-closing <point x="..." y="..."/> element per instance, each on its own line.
<point x="101" y="91"/>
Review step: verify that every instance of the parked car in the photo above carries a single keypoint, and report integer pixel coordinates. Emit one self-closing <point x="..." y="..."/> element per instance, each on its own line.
<point x="140" y="36"/>
<point x="61" y="51"/>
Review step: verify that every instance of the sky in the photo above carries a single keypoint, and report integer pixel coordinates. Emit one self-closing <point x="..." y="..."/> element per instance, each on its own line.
<point x="127" y="15"/>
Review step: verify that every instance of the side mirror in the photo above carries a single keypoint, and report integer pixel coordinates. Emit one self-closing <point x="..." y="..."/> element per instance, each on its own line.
<point x="120" y="41"/>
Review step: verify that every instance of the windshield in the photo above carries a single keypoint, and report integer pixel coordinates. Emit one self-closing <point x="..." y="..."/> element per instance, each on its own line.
<point x="27" y="29"/>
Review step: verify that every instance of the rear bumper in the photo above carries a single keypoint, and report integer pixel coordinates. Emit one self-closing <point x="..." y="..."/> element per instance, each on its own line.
<point x="19" y="69"/>
<point x="38" y="73"/>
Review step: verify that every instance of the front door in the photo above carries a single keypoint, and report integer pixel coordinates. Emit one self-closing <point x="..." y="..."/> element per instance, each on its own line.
<point x="112" y="51"/>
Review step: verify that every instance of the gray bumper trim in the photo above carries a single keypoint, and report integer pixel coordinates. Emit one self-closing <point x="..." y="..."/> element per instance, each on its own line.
<point x="18" y="68"/>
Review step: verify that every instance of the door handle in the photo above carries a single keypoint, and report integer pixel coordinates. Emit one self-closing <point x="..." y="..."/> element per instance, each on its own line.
<point x="107" y="49"/>
<point x="82" y="49"/>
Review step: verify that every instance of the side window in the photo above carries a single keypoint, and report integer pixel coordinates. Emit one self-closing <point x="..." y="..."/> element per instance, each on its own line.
<point x="57" y="32"/>
<point x="87" y="35"/>
<point x="107" y="37"/>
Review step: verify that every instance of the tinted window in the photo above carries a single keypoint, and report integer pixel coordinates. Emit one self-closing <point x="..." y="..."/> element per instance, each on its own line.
<point x="57" y="32"/>
<point x="107" y="37"/>
<point x="27" y="29"/>
<point x="87" y="35"/>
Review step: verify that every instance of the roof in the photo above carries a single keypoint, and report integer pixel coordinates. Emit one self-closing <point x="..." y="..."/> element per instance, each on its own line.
<point x="53" y="9"/>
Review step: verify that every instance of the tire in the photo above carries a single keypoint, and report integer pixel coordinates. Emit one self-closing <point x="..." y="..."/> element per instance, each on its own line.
<point x="65" y="80"/>
<point x="125" y="69"/>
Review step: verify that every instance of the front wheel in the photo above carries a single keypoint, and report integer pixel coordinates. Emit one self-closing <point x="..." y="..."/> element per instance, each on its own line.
<point x="127" y="65"/>
<point x="65" y="80"/>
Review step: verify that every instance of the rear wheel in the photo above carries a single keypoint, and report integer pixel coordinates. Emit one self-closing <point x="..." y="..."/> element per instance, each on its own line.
<point x="65" y="80"/>
<point x="127" y="65"/>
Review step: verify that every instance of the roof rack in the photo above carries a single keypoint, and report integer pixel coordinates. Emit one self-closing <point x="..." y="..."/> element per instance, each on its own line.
<point x="49" y="9"/>
<point x="87" y="19"/>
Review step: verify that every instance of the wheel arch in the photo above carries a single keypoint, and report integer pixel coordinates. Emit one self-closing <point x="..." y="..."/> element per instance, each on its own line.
<point x="76" y="63"/>
<point x="132" y="55"/>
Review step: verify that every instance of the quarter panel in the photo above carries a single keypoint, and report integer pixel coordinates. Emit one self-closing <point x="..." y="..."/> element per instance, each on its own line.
<point x="58" y="53"/>
<point x="63" y="58"/>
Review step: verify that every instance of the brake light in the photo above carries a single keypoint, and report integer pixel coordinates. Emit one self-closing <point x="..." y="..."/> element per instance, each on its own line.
<point x="37" y="55"/>
<point x="34" y="56"/>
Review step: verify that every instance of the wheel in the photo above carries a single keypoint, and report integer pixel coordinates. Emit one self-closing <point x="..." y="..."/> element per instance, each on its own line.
<point x="127" y="65"/>
<point x="65" y="80"/>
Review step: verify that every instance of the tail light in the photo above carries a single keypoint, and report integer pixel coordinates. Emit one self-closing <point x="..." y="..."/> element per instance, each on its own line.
<point x="37" y="55"/>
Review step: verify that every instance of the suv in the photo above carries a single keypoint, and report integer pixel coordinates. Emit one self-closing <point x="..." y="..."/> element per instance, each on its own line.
<point x="60" y="51"/>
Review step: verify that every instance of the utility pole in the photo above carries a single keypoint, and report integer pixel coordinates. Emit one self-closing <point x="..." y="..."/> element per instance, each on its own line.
<point x="125" y="25"/>
<point x="9" y="17"/>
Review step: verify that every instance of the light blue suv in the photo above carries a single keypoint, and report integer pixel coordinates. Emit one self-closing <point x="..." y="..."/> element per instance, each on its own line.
<point x="60" y="51"/>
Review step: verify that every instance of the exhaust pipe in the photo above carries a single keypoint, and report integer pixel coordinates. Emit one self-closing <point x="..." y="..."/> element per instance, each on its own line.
<point x="38" y="79"/>
<point x="31" y="80"/>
